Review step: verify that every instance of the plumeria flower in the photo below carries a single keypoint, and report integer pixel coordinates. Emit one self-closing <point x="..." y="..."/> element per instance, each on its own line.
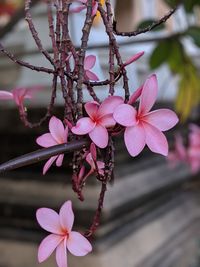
<point x="19" y="94"/>
<point x="180" y="153"/>
<point x="100" y="118"/>
<point x="89" y="63"/>
<point x="83" y="6"/>
<point x="57" y="135"/>
<point x="61" y="237"/>
<point x="144" y="127"/>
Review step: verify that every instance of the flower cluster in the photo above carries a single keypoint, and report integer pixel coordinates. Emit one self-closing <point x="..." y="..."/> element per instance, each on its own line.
<point x="189" y="154"/>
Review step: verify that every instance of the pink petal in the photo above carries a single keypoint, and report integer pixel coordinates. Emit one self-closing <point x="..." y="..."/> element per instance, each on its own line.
<point x="48" y="164"/>
<point x="48" y="219"/>
<point x="65" y="135"/>
<point x="83" y="126"/>
<point x="59" y="160"/>
<point x="61" y="254"/>
<point x="149" y="94"/>
<point x="89" y="62"/>
<point x="99" y="136"/>
<point x="163" y="119"/>
<point x="91" y="75"/>
<point x="108" y="121"/>
<point x="155" y="140"/>
<point x="179" y="147"/>
<point x="133" y="58"/>
<point x="77" y="9"/>
<point x="90" y="160"/>
<point x="135" y="95"/>
<point x="93" y="151"/>
<point x="134" y="139"/>
<point x="66" y="216"/>
<point x="4" y="95"/>
<point x="78" y="245"/>
<point x="47" y="246"/>
<point x="94" y="9"/>
<point x="125" y="115"/>
<point x="46" y="140"/>
<point x="100" y="164"/>
<point x="92" y="108"/>
<point x="109" y="104"/>
<point x="56" y="129"/>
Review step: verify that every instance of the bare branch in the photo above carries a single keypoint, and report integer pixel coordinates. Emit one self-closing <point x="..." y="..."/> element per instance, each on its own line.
<point x="148" y="28"/>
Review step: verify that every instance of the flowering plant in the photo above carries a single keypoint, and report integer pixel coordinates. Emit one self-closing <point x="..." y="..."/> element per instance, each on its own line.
<point x="88" y="129"/>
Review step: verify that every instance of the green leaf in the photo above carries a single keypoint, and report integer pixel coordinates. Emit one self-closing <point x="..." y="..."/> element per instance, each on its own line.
<point x="149" y="22"/>
<point x="160" y="54"/>
<point x="190" y="4"/>
<point x="172" y="3"/>
<point x="194" y="33"/>
<point x="176" y="57"/>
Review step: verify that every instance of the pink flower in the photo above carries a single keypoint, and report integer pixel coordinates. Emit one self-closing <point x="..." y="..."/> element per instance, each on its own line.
<point x="100" y="118"/>
<point x="144" y="127"/>
<point x="83" y="6"/>
<point x="19" y="94"/>
<point x="180" y="153"/>
<point x="88" y="65"/>
<point x="57" y="135"/>
<point x="62" y="238"/>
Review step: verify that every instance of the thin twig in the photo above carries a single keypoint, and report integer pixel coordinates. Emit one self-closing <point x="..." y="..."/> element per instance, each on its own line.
<point x="148" y="28"/>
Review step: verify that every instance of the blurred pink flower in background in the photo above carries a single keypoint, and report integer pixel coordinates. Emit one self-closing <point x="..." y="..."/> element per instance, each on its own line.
<point x="18" y="95"/>
<point x="194" y="148"/>
<point x="83" y="6"/>
<point x="57" y="135"/>
<point x="62" y="238"/>
<point x="179" y="154"/>
<point x="100" y="118"/>
<point x="144" y="127"/>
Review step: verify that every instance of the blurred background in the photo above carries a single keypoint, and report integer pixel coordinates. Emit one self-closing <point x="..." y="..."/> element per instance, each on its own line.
<point x="151" y="214"/>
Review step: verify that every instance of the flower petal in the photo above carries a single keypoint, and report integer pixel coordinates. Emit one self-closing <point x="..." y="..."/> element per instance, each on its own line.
<point x="149" y="94"/>
<point x="91" y="75"/>
<point x="134" y="139"/>
<point x="108" y="121"/>
<point x="91" y="108"/>
<point x="4" y="95"/>
<point x="61" y="254"/>
<point x="163" y="119"/>
<point x="47" y="246"/>
<point x="133" y="58"/>
<point x="155" y="140"/>
<point x="46" y="140"/>
<point x="66" y="216"/>
<point x="89" y="62"/>
<point x="48" y="219"/>
<point x="109" y="104"/>
<point x="59" y="160"/>
<point x="99" y="136"/>
<point x="83" y="126"/>
<point x="77" y="9"/>
<point x="135" y="95"/>
<point x="125" y="115"/>
<point x="56" y="129"/>
<point x="78" y="245"/>
<point x="48" y="164"/>
<point x="94" y="9"/>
